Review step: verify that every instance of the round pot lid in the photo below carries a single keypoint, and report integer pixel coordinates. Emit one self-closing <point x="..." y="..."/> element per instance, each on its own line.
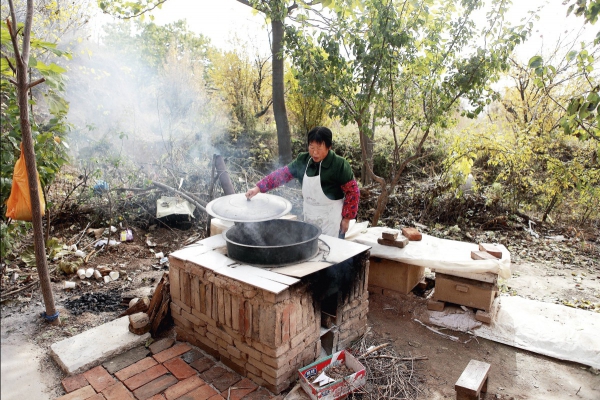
<point x="237" y="208"/>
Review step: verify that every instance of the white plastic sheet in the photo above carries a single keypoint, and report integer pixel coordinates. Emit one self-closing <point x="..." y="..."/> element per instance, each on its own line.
<point x="173" y="206"/>
<point x="441" y="255"/>
<point x="550" y="329"/>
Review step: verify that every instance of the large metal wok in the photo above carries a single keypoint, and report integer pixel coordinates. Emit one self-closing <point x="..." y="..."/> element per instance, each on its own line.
<point x="258" y="238"/>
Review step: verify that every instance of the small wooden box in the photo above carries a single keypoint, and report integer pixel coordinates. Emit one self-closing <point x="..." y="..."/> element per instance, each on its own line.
<point x="465" y="292"/>
<point x="394" y="275"/>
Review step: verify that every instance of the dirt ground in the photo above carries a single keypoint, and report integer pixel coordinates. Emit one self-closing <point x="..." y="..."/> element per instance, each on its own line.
<point x="515" y="374"/>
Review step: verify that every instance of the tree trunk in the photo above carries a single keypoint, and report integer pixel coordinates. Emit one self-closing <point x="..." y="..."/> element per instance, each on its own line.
<point x="365" y="177"/>
<point x="281" y="120"/>
<point x="30" y="163"/>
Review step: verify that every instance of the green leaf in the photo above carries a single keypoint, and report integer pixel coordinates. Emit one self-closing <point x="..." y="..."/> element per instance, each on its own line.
<point x="536" y="62"/>
<point x="571" y="55"/>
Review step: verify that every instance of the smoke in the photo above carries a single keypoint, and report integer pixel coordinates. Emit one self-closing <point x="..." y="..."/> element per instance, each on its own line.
<point x="124" y="107"/>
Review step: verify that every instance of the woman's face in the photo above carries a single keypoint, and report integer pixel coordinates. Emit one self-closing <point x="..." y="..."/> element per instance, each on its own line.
<point x="318" y="151"/>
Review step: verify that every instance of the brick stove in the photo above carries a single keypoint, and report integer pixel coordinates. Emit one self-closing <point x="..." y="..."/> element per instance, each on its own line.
<point x="266" y="323"/>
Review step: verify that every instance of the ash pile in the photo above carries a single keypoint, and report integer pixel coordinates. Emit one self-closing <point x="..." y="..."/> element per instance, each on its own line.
<point x="95" y="302"/>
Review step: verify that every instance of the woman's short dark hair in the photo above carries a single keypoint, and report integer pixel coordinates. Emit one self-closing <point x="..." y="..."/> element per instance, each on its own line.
<point x="320" y="134"/>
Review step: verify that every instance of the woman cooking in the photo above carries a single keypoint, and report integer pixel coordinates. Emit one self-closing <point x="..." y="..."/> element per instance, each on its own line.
<point x="330" y="192"/>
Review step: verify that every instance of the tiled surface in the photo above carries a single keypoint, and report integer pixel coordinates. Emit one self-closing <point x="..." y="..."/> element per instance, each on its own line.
<point x="178" y="372"/>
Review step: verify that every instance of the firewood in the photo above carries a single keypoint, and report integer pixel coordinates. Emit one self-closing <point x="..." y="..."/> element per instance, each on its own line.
<point x="140" y="306"/>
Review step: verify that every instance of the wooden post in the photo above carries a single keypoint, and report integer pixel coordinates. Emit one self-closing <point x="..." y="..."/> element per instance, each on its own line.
<point x="223" y="175"/>
<point x="23" y="85"/>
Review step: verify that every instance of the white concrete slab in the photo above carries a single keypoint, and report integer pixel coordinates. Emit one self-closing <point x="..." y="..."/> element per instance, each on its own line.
<point x="92" y="347"/>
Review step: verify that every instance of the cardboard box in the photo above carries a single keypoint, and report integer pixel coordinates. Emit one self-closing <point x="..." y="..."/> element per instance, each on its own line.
<point x="394" y="275"/>
<point x="338" y="388"/>
<point x="465" y="292"/>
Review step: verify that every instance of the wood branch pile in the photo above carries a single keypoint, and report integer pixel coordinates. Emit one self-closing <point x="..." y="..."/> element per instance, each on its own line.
<point x="389" y="375"/>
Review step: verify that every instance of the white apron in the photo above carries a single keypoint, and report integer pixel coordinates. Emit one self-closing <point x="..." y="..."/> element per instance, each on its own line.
<point x="318" y="208"/>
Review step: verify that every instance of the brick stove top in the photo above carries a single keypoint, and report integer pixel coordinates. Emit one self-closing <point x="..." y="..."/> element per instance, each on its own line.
<point x="266" y="323"/>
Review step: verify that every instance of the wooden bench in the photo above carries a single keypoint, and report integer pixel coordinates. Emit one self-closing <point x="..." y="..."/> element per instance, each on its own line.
<point x="472" y="381"/>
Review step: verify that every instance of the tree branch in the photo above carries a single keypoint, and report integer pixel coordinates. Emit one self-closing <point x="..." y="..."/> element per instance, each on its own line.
<point x="12" y="67"/>
<point x="36" y="82"/>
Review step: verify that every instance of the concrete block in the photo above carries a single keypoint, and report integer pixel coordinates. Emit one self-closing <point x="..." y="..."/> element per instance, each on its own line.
<point x="92" y="347"/>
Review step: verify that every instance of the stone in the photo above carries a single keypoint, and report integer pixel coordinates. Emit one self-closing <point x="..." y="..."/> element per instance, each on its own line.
<point x="126" y="359"/>
<point x="94" y="346"/>
<point x="401" y="242"/>
<point x="389" y="235"/>
<point x="161" y="345"/>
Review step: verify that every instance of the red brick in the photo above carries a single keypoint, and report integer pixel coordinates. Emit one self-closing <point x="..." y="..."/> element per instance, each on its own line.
<point x="183" y="387"/>
<point x="212" y="374"/>
<point x="80" y="394"/>
<point x="202" y="393"/>
<point x="242" y="388"/>
<point x="192" y="356"/>
<point x="260" y="394"/>
<point x="154" y="387"/>
<point x="99" y="378"/>
<point x="216" y="397"/>
<point x="202" y="364"/>
<point x="97" y="396"/>
<point x="412" y="234"/>
<point x="136" y="368"/>
<point x="142" y="378"/>
<point x="157" y="397"/>
<point x="179" y="368"/>
<point x="226" y="380"/>
<point x="71" y="383"/>
<point x="117" y="392"/>
<point x="174" y="351"/>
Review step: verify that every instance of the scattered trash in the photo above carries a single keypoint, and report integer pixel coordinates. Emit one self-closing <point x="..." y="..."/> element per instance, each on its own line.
<point x="126" y="236"/>
<point x="96" y="232"/>
<point x="80" y="253"/>
<point x="81" y="273"/>
<point x="89" y="272"/>
<point x="97" y="274"/>
<point x="558" y="238"/>
<point x="107" y="279"/>
<point x="159" y="255"/>
<point x="69" y="285"/>
<point x="100" y="187"/>
<point x="164" y="260"/>
<point x="150" y="243"/>
<point x="104" y="241"/>
<point x="323" y="379"/>
<point x="114" y="275"/>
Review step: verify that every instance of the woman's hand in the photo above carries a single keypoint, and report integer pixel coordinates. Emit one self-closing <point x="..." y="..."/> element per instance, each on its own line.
<point x="252" y="192"/>
<point x="344" y="225"/>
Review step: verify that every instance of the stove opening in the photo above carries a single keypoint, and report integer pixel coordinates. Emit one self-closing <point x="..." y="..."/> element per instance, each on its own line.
<point x="329" y="310"/>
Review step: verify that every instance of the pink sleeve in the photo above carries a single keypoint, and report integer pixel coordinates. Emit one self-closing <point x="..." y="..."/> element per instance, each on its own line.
<point x="275" y="179"/>
<point x="351" y="199"/>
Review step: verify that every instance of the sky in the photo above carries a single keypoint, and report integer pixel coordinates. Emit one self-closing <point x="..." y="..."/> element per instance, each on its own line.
<point x="221" y="20"/>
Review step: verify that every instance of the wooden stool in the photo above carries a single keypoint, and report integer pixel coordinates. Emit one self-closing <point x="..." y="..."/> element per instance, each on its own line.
<point x="472" y="381"/>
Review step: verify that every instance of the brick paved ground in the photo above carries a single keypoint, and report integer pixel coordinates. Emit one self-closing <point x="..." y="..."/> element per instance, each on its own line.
<point x="166" y="370"/>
